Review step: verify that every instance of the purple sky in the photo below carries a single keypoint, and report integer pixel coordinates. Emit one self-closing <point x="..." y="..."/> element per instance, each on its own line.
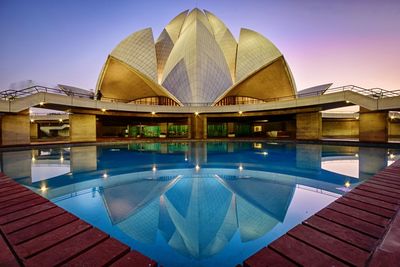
<point x="342" y="41"/>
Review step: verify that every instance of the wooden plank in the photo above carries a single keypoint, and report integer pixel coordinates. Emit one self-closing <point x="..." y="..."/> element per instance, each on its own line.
<point x="359" y="214"/>
<point x="19" y="200"/>
<point x="366" y="207"/>
<point x="303" y="254"/>
<point x="383" y="187"/>
<point x="17" y="195"/>
<point x="5" y="190"/>
<point x="389" y="171"/>
<point x="343" y="233"/>
<point x="371" y="201"/>
<point x="134" y="258"/>
<point x="330" y="245"/>
<point x="389" y="177"/>
<point x="13" y="190"/>
<point x="45" y="235"/>
<point x="378" y="191"/>
<point x="382" y="183"/>
<point x="4" y="184"/>
<point x="267" y="257"/>
<point x="384" y="179"/>
<point x="102" y="254"/>
<point x="376" y="196"/>
<point x="51" y="238"/>
<point x="38" y="229"/>
<point x="22" y="206"/>
<point x="6" y="256"/>
<point x="67" y="249"/>
<point x="30" y="220"/>
<point x="26" y="212"/>
<point x="353" y="223"/>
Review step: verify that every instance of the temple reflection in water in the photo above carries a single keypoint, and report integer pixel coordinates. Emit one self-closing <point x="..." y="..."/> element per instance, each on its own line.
<point x="197" y="196"/>
<point x="197" y="216"/>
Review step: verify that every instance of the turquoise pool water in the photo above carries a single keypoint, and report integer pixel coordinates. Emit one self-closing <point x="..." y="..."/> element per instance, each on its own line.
<point x="198" y="203"/>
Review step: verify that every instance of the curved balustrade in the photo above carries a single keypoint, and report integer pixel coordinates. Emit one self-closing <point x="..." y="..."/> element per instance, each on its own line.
<point x="375" y="93"/>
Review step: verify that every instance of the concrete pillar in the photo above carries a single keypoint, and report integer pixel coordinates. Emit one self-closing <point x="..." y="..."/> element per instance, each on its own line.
<point x="290" y="128"/>
<point x="164" y="128"/>
<point x="198" y="127"/>
<point x="340" y="128"/>
<point x="394" y="129"/>
<point x="231" y="128"/>
<point x="309" y="126"/>
<point x="99" y="128"/>
<point x="189" y="124"/>
<point x="373" y="126"/>
<point x="82" y="128"/>
<point x="34" y="130"/>
<point x="15" y="130"/>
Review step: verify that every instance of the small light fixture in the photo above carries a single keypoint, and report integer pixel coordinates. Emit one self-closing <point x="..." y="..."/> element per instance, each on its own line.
<point x="347" y="184"/>
<point x="392" y="117"/>
<point x="356" y="155"/>
<point x="240" y="167"/>
<point x="347" y="101"/>
<point x="240" y="112"/>
<point x="43" y="188"/>
<point x="103" y="110"/>
<point x="41" y="103"/>
<point x="186" y="159"/>
<point x="32" y="120"/>
<point x="154" y="169"/>
<point x="33" y="158"/>
<point x="265" y="153"/>
<point x="196" y="113"/>
<point x="30" y="111"/>
<point x="392" y="156"/>
<point x="62" y="159"/>
<point x="153" y="113"/>
<point x="197" y="167"/>
<point x="60" y="120"/>
<point x="105" y="175"/>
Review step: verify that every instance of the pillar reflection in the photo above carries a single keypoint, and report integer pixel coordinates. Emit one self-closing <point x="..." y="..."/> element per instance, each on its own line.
<point x="371" y="161"/>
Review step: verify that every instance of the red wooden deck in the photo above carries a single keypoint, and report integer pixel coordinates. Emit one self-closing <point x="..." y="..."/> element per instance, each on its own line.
<point x="35" y="232"/>
<point x="362" y="228"/>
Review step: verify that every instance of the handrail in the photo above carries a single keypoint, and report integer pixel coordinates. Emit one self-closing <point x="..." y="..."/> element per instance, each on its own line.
<point x="13" y="94"/>
<point x="375" y="93"/>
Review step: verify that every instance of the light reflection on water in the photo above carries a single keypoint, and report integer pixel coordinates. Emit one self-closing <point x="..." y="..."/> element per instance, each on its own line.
<point x="199" y="203"/>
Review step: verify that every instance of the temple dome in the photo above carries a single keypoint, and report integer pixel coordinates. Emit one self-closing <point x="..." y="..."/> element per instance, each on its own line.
<point x="195" y="60"/>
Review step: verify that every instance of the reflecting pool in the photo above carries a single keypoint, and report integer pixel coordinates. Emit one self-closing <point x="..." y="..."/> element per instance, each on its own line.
<point x="196" y="203"/>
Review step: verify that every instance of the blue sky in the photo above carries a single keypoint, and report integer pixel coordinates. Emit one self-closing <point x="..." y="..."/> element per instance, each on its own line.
<point x="344" y="42"/>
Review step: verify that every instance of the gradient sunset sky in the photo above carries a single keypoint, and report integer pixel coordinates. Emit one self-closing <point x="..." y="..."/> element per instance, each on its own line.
<point x="342" y="41"/>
